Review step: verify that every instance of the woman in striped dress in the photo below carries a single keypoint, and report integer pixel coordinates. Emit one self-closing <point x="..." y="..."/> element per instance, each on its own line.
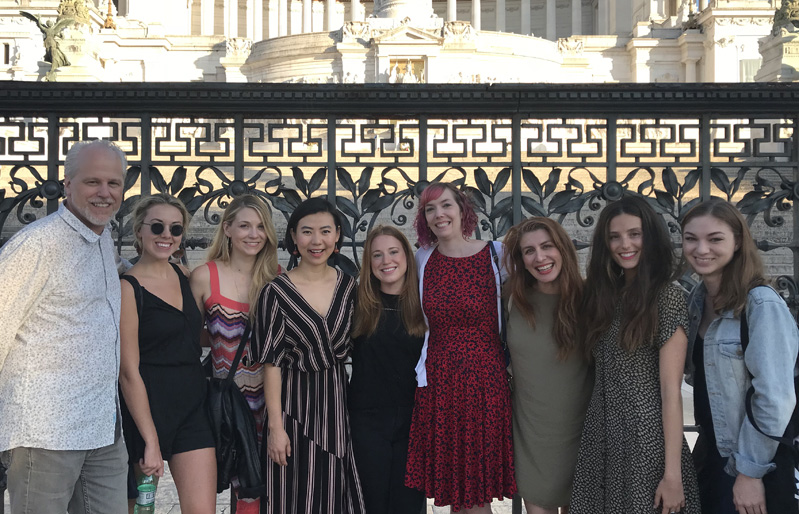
<point x="241" y="260"/>
<point x="302" y="326"/>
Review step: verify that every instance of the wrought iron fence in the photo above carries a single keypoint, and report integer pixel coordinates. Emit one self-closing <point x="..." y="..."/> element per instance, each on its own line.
<point x="551" y="150"/>
<point x="521" y="150"/>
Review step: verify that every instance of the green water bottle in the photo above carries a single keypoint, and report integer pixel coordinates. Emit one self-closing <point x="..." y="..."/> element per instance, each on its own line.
<point x="145" y="502"/>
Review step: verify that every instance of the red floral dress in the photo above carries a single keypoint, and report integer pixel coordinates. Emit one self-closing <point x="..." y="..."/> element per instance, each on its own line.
<point x="461" y="445"/>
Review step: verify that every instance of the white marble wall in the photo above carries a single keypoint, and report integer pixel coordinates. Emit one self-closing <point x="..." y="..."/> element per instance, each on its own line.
<point x="161" y="41"/>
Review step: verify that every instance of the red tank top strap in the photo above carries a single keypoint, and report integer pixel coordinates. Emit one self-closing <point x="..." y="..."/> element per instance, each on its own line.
<point x="214" y="278"/>
<point x="216" y="292"/>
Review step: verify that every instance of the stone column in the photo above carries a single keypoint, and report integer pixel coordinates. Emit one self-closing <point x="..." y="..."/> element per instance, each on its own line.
<point x="270" y="24"/>
<point x="476" y="14"/>
<point x="602" y="17"/>
<point x="452" y="10"/>
<point x="525" y="13"/>
<point x="702" y="5"/>
<point x="577" y="17"/>
<point x="282" y="17"/>
<point x="318" y="10"/>
<point x="295" y="17"/>
<point x="207" y="17"/>
<point x="249" y="19"/>
<point x="307" y="16"/>
<point x="551" y="20"/>
<point x="225" y="16"/>
<point x="691" y="50"/>
<point x="232" y="18"/>
<point x="330" y="14"/>
<point x="355" y="10"/>
<point x="690" y="71"/>
<point x="257" y="14"/>
<point x="499" y="24"/>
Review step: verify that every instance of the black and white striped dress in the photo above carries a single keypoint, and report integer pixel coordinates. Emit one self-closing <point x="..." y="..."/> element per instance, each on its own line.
<point x="310" y="349"/>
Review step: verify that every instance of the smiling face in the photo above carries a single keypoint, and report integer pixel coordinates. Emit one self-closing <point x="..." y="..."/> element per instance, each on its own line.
<point x="246" y="232"/>
<point x="708" y="245"/>
<point x="160" y="246"/>
<point x="443" y="216"/>
<point x="389" y="263"/>
<point x="315" y="237"/>
<point x="626" y="240"/>
<point x="94" y="193"/>
<point x="542" y="260"/>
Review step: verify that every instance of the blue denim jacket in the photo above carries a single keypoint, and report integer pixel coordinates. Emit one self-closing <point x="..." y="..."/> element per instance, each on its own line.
<point x="771" y="358"/>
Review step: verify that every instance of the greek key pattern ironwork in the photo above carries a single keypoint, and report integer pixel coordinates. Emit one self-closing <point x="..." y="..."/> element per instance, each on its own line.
<point x="514" y="160"/>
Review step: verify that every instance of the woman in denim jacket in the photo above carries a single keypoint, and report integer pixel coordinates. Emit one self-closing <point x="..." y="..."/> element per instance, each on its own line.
<point x="738" y="467"/>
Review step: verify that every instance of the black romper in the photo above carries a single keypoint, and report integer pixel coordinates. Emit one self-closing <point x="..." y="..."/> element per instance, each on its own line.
<point x="169" y="364"/>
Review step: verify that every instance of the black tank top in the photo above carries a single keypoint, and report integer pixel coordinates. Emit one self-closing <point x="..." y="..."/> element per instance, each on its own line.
<point x="167" y="336"/>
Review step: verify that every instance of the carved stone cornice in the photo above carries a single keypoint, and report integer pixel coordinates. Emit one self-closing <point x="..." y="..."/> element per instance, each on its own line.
<point x="458" y="31"/>
<point x="500" y="100"/>
<point x="238" y="47"/>
<point x="571" y="47"/>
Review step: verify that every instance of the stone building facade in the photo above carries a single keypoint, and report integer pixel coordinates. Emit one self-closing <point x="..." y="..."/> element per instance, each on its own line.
<point x="355" y="41"/>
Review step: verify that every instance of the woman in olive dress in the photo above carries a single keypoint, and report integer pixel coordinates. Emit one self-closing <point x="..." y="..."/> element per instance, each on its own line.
<point x="552" y="377"/>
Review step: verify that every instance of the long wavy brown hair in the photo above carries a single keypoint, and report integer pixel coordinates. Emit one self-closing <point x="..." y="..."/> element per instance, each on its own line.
<point x="369" y="308"/>
<point x="605" y="284"/>
<point x="745" y="270"/>
<point x="571" y="283"/>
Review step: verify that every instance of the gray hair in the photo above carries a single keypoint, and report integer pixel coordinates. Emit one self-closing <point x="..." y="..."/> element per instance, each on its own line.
<point x="72" y="161"/>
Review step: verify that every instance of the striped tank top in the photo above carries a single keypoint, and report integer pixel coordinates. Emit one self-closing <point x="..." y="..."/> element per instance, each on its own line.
<point x="225" y="320"/>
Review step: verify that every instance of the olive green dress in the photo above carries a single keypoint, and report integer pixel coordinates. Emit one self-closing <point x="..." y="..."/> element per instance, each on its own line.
<point x="550" y="398"/>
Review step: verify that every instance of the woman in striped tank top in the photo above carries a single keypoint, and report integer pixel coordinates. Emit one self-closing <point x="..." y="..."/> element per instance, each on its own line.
<point x="241" y="260"/>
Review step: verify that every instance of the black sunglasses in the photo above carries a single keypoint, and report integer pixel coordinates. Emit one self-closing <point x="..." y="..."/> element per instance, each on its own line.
<point x="157" y="228"/>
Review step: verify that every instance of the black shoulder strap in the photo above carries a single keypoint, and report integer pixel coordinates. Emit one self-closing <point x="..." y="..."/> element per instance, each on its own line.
<point x="494" y="253"/>
<point x="234" y="366"/>
<point x="751" y="392"/>
<point x="136" y="291"/>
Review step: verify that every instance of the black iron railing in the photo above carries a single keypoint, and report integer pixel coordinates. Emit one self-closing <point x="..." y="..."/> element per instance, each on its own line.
<point x="552" y="150"/>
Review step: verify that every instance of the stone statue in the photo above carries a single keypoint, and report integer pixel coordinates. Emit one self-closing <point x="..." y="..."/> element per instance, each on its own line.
<point x="51" y="33"/>
<point x="787" y="16"/>
<point x="409" y="77"/>
<point x="74" y="9"/>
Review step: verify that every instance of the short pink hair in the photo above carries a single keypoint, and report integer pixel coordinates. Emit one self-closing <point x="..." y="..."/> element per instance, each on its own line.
<point x="432" y="192"/>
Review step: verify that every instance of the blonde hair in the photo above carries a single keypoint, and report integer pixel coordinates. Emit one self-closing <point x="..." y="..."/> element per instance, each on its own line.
<point x="147" y="202"/>
<point x="265" y="268"/>
<point x="369" y="307"/>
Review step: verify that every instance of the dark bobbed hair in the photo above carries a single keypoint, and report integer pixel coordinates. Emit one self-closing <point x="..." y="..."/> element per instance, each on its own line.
<point x="571" y="283"/>
<point x="369" y="308"/>
<point x="745" y="270"/>
<point x="605" y="284"/>
<point x="307" y="208"/>
<point x="433" y="192"/>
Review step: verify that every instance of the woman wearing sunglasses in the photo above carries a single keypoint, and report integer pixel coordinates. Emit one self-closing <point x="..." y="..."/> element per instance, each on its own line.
<point x="162" y="382"/>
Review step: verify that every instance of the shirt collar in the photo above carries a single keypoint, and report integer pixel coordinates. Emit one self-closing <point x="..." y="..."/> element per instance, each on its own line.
<point x="699" y="300"/>
<point x="77" y="225"/>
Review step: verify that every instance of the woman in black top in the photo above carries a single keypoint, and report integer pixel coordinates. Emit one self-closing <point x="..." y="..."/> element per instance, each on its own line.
<point x="389" y="332"/>
<point x="161" y="378"/>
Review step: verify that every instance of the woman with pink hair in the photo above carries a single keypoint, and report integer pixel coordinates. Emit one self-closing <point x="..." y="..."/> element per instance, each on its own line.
<point x="461" y="447"/>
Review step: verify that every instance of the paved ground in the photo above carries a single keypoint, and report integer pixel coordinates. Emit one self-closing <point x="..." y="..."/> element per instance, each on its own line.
<point x="166" y="501"/>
